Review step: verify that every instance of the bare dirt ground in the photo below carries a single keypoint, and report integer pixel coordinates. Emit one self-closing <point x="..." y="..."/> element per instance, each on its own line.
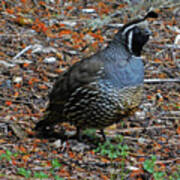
<point x="39" y="40"/>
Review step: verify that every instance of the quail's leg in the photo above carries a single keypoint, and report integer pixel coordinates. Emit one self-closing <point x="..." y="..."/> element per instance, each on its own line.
<point x="78" y="134"/>
<point x="103" y="134"/>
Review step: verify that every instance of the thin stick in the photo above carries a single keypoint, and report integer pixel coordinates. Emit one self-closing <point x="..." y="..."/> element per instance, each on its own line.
<point x="22" y="52"/>
<point x="160" y="80"/>
<point x="171" y="46"/>
<point x="15" y="101"/>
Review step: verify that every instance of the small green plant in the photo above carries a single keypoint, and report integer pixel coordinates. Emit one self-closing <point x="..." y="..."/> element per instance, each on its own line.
<point x="8" y="155"/>
<point x="55" y="163"/>
<point x="28" y="174"/>
<point x="149" y="165"/>
<point x="175" y="175"/>
<point x="58" y="178"/>
<point x="24" y="172"/>
<point x="40" y="175"/>
<point x="113" y="150"/>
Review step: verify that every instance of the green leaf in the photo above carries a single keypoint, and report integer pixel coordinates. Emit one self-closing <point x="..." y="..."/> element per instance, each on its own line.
<point x="3" y="156"/>
<point x="112" y="150"/>
<point x="58" y="178"/>
<point x="159" y="175"/>
<point x="40" y="175"/>
<point x="15" y="154"/>
<point x="148" y="166"/>
<point x="153" y="157"/>
<point x="24" y="172"/>
<point x="55" y="163"/>
<point x="9" y="153"/>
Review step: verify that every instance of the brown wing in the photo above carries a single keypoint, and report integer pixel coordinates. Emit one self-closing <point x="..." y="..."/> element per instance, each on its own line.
<point x="79" y="75"/>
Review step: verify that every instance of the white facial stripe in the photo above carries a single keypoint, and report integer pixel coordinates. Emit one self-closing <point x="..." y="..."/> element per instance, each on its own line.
<point x="132" y="26"/>
<point x="130" y="39"/>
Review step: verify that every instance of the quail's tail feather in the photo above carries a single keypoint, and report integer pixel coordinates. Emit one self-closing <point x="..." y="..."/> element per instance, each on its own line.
<point x="42" y="124"/>
<point x="48" y="120"/>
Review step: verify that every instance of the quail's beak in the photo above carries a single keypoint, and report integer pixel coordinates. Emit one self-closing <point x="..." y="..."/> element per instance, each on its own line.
<point x="144" y="26"/>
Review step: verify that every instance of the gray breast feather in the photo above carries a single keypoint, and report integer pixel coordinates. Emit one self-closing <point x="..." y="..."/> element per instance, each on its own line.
<point x="125" y="74"/>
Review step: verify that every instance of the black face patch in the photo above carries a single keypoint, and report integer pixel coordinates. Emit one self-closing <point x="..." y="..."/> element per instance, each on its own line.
<point x="139" y="39"/>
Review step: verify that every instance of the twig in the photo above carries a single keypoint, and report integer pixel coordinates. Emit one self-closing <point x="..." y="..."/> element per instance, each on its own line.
<point x="171" y="46"/>
<point x="22" y="52"/>
<point x="170" y="113"/>
<point x="157" y="162"/>
<point x="15" y="101"/>
<point x="115" y="25"/>
<point x="16" y="35"/>
<point x="174" y="58"/>
<point x="167" y="161"/>
<point x="141" y="129"/>
<point x="8" y="65"/>
<point x="169" y="5"/>
<point x="160" y="80"/>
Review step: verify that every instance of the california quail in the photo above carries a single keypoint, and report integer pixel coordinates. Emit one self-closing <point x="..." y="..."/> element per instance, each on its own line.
<point x="104" y="88"/>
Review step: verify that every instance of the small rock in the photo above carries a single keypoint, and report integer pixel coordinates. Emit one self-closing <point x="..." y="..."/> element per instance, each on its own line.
<point x="52" y="1"/>
<point x="69" y="23"/>
<point x="37" y="48"/>
<point x="158" y="120"/>
<point x="57" y="143"/>
<point x="132" y="168"/>
<point x="177" y="40"/>
<point x="88" y="10"/>
<point x="17" y="79"/>
<point x="88" y="37"/>
<point x="141" y="115"/>
<point x="50" y="60"/>
<point x="78" y="146"/>
<point x="142" y="140"/>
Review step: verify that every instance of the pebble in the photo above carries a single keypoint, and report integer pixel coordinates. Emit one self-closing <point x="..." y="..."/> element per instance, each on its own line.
<point x="50" y="60"/>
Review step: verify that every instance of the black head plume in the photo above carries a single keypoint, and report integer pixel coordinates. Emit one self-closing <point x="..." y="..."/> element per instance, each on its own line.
<point x="151" y="14"/>
<point x="135" y="34"/>
<point x="130" y="25"/>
